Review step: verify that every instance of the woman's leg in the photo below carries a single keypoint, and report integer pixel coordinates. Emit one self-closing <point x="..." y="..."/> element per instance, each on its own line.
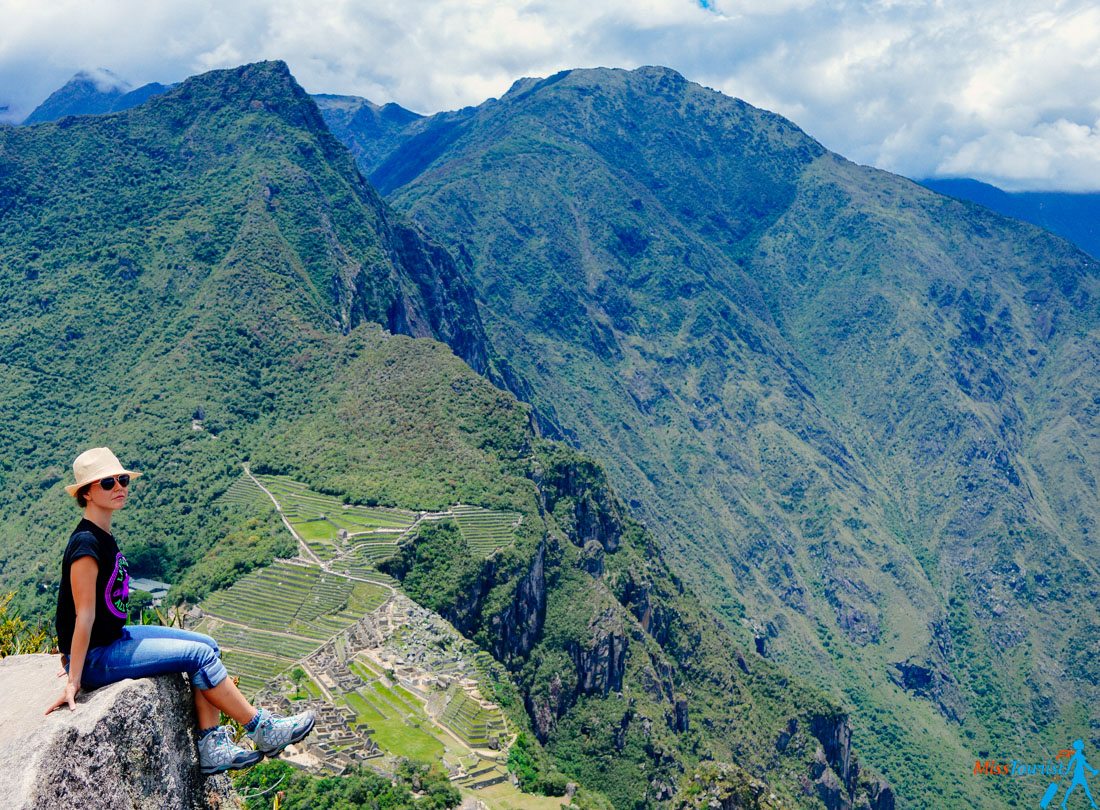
<point x="225" y="697"/>
<point x="207" y="713"/>
<point x="214" y="692"/>
<point x="143" y="631"/>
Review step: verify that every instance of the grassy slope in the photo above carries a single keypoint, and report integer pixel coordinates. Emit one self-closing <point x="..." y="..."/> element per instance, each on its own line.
<point x="838" y="397"/>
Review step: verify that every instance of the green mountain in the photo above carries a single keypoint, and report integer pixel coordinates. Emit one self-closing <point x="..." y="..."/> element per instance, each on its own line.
<point x="1073" y="216"/>
<point x="859" y="417"/>
<point x="205" y="280"/>
<point x="92" y="93"/>
<point x="129" y="241"/>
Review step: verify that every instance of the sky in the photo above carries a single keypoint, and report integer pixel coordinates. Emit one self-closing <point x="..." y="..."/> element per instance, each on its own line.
<point x="1005" y="91"/>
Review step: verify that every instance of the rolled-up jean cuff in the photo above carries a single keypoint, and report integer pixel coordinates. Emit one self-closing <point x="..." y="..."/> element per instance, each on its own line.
<point x="209" y="676"/>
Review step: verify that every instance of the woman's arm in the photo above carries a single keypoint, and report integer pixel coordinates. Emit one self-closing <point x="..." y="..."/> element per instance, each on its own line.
<point x="82" y="577"/>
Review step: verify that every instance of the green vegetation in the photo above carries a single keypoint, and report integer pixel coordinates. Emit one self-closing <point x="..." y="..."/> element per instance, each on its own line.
<point x="19" y="637"/>
<point x="440" y="570"/>
<point x="361" y="788"/>
<point x="529" y="763"/>
<point x="845" y="406"/>
<point x="253" y="544"/>
<point x="397" y="728"/>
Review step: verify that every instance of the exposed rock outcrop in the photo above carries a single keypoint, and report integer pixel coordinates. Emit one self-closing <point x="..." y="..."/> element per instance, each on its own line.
<point x="577" y="493"/>
<point x="723" y="786"/>
<point x="437" y="302"/>
<point x="835" y="772"/>
<point x="601" y="665"/>
<point x="516" y="630"/>
<point x="928" y="680"/>
<point x="127" y="746"/>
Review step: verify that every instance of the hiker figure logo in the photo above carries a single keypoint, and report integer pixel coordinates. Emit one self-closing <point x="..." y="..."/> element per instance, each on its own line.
<point x="1075" y="768"/>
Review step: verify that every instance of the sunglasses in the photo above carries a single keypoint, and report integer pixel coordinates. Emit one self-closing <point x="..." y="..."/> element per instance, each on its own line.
<point x="109" y="483"/>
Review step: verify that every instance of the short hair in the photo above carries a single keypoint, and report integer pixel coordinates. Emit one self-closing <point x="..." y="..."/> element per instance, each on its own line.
<point x="82" y="495"/>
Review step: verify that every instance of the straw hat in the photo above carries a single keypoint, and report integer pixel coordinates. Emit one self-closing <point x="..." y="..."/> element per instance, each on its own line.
<point x="94" y="464"/>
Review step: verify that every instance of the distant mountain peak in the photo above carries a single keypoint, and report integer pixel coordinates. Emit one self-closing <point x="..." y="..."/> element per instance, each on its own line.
<point x="92" y="92"/>
<point x="660" y="71"/>
<point x="102" y="79"/>
<point x="350" y="104"/>
<point x="260" y="79"/>
<point x="265" y="85"/>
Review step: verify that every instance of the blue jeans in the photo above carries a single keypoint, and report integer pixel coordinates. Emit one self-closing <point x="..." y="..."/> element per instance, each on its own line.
<point x="145" y="650"/>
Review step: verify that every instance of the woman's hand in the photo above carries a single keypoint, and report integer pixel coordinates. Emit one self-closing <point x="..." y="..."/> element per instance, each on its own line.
<point x="68" y="696"/>
<point x="61" y="671"/>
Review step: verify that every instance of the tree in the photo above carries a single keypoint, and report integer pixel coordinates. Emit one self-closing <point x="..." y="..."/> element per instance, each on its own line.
<point x="297" y="675"/>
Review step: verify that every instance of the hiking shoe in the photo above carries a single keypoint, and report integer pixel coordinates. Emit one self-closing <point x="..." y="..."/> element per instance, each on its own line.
<point x="273" y="734"/>
<point x="218" y="752"/>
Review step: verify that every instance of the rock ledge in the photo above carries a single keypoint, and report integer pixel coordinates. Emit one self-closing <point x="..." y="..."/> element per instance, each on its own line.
<point x="128" y="746"/>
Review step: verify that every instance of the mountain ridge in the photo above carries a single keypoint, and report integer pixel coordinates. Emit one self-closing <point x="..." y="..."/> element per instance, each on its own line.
<point x="205" y="279"/>
<point x="838" y="384"/>
<point x="1072" y="215"/>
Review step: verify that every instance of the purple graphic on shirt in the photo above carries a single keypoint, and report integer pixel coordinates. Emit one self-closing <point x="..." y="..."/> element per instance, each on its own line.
<point x="118" y="588"/>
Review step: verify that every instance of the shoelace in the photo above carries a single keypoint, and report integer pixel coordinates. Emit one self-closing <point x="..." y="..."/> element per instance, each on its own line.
<point x="222" y="738"/>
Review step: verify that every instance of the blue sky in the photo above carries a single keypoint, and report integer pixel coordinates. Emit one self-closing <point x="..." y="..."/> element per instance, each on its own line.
<point x="1005" y="91"/>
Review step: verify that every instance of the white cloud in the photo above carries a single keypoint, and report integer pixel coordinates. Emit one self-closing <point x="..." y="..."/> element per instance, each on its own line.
<point x="1008" y="92"/>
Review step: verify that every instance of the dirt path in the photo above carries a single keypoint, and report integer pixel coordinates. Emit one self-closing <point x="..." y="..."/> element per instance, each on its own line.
<point x="305" y="550"/>
<point x="302" y="547"/>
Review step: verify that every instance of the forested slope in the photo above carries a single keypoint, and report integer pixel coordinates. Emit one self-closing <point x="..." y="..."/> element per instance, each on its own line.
<point x="860" y="416"/>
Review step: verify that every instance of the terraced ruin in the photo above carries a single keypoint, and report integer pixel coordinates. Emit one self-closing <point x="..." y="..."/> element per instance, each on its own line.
<point x="388" y="678"/>
<point x="352" y="539"/>
<point x="274" y="616"/>
<point x="399" y="683"/>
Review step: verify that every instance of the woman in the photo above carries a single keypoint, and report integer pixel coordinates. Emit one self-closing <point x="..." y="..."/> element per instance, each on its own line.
<point x="98" y="648"/>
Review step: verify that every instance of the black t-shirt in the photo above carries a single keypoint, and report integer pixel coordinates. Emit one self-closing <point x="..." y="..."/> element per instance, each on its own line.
<point x="112" y="587"/>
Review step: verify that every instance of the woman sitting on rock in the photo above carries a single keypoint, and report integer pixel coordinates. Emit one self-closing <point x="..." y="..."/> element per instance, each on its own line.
<point x="98" y="647"/>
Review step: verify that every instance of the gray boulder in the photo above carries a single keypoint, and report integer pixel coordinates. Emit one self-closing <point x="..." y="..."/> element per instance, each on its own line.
<point x="128" y="746"/>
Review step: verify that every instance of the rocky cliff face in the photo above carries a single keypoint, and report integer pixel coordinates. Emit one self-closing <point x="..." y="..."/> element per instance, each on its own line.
<point x="577" y="494"/>
<point x="515" y="630"/>
<point x="437" y="302"/>
<point x="835" y="774"/>
<point x="127" y="746"/>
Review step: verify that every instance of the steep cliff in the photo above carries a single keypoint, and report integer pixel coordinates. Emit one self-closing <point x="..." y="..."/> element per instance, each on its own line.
<point x="127" y="746"/>
<point x="625" y="680"/>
